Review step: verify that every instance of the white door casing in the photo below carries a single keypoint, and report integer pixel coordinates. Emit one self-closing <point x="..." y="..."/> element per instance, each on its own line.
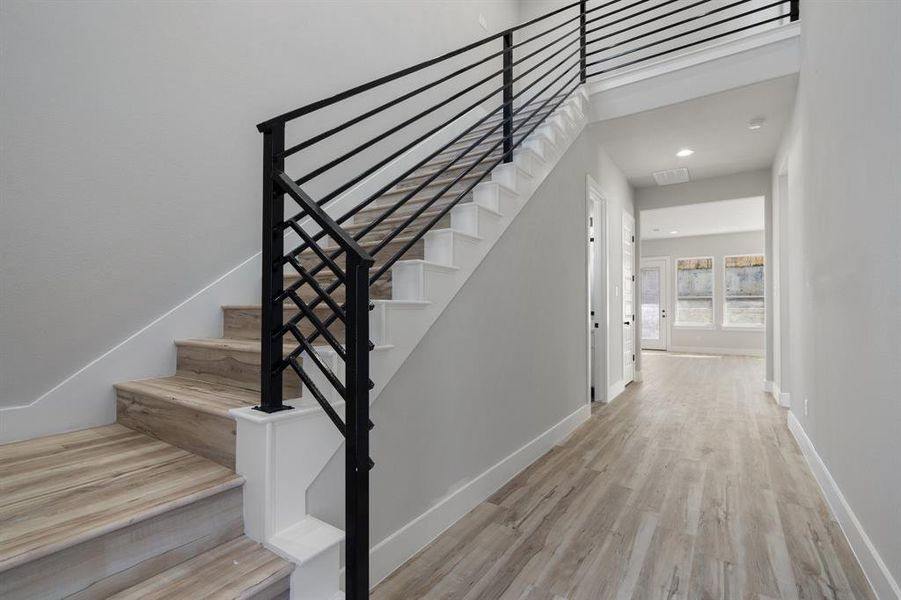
<point x="628" y="298"/>
<point x="598" y="322"/>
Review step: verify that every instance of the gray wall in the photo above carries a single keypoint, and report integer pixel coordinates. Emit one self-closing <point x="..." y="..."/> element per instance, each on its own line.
<point x="718" y="246"/>
<point x="130" y="159"/>
<point x="842" y="251"/>
<point x="505" y="362"/>
<point x="727" y="187"/>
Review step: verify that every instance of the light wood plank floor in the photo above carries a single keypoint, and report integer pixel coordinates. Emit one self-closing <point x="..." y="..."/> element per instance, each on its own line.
<point x="688" y="486"/>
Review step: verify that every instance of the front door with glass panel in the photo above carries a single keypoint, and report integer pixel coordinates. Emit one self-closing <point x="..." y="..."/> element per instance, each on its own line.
<point x="652" y="290"/>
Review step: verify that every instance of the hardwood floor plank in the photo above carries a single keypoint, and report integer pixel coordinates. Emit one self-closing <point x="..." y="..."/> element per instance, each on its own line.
<point x="60" y="490"/>
<point x="688" y="486"/>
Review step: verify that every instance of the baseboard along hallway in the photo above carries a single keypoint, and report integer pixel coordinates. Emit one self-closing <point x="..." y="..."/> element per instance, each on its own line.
<point x="690" y="485"/>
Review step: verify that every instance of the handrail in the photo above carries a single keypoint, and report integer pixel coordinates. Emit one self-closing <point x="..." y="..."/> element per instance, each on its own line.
<point x="307" y="320"/>
<point x="320" y="104"/>
<point x="322" y="219"/>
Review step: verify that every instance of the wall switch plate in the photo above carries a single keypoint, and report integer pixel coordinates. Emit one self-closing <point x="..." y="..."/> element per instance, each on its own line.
<point x="483" y="22"/>
<point x="805" y="406"/>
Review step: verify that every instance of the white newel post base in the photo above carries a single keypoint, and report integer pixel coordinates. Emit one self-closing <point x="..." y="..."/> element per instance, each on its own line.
<point x="280" y="455"/>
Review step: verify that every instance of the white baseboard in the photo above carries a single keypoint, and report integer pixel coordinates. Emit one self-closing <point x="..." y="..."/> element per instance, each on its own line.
<point x="871" y="562"/>
<point x="396" y="549"/>
<point x="768" y="386"/>
<point x="783" y="399"/>
<point x="615" y="390"/>
<point x="712" y="350"/>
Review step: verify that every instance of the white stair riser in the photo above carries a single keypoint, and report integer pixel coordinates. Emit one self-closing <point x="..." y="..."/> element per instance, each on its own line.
<point x="496" y="198"/>
<point x="441" y="246"/>
<point x="526" y="160"/>
<point x="537" y="145"/>
<point x="476" y="220"/>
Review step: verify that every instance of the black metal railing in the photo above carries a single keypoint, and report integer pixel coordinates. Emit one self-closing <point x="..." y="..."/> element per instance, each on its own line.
<point x="475" y="106"/>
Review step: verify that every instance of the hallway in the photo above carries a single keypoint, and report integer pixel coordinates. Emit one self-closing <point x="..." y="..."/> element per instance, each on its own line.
<point x="688" y="485"/>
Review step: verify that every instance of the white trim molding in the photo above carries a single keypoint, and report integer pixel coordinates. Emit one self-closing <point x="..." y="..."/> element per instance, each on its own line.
<point x="615" y="389"/>
<point x="874" y="567"/>
<point x="708" y="69"/>
<point x="397" y="548"/>
<point x="783" y="399"/>
<point x="691" y="58"/>
<point x="722" y="351"/>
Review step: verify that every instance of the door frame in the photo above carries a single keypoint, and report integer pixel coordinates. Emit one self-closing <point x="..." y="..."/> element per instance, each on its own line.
<point x="664" y="299"/>
<point x="596" y="202"/>
<point x="630" y="377"/>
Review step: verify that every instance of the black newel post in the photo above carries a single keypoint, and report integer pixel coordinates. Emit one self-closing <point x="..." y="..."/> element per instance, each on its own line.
<point x="508" y="97"/>
<point x="273" y="276"/>
<point x="356" y="460"/>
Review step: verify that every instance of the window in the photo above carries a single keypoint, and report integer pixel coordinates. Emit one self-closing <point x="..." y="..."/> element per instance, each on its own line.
<point x="743" y="291"/>
<point x="694" y="292"/>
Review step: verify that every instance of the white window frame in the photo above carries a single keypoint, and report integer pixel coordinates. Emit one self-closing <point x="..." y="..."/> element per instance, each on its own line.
<point x="737" y="327"/>
<point x="675" y="322"/>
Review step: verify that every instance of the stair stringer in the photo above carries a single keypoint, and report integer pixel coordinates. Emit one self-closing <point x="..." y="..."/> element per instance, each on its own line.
<point x="281" y="455"/>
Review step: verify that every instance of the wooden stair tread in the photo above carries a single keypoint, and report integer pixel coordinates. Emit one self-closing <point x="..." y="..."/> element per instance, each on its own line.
<point x="64" y="489"/>
<point x="238" y="345"/>
<point x="405" y="186"/>
<point x="203" y="396"/>
<point x="395" y="219"/>
<point x="235" y="344"/>
<point x="240" y="568"/>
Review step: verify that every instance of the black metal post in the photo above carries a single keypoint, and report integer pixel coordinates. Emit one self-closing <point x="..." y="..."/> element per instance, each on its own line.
<point x="356" y="460"/>
<point x="794" y="10"/>
<point x="583" y="62"/>
<point x="273" y="278"/>
<point x="508" y="97"/>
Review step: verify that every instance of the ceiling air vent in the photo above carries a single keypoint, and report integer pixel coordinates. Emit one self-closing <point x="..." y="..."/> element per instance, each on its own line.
<point x="671" y="176"/>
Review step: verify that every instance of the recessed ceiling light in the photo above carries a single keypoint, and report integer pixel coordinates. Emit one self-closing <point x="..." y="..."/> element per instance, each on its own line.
<point x="755" y="124"/>
<point x="685" y="152"/>
<point x="674" y="232"/>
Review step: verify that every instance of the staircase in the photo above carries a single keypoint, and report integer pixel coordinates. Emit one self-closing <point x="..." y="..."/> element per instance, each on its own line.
<point x="151" y="507"/>
<point x="199" y="489"/>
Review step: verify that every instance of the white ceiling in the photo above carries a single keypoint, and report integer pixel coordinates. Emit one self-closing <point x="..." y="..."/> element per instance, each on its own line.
<point x="723" y="216"/>
<point x="715" y="127"/>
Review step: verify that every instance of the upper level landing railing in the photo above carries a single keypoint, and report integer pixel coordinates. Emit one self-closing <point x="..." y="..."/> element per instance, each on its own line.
<point x="464" y="113"/>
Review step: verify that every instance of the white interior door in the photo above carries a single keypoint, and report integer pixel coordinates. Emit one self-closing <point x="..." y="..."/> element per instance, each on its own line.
<point x="653" y="286"/>
<point x="628" y="298"/>
<point x="597" y="290"/>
